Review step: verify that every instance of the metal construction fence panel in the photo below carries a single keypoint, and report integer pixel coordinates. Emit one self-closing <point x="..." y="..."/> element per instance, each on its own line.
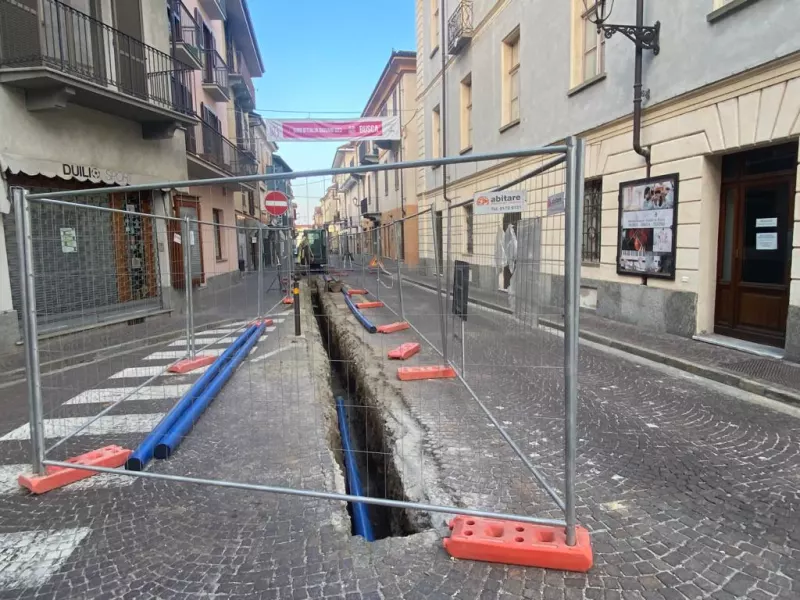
<point x="304" y="405"/>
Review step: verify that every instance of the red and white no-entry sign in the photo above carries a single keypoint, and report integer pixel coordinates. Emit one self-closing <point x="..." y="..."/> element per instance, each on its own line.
<point x="276" y="203"/>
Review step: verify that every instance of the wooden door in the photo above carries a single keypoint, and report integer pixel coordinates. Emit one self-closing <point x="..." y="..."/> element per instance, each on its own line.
<point x="135" y="252"/>
<point x="754" y="259"/>
<point x="131" y="59"/>
<point x="186" y="206"/>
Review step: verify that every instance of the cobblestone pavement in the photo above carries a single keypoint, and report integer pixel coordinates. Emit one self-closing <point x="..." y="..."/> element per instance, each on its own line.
<point x="688" y="492"/>
<point x="213" y="305"/>
<point x="722" y="364"/>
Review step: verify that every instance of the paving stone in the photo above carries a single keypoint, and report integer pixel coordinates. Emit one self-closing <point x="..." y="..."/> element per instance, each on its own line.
<point x="706" y="497"/>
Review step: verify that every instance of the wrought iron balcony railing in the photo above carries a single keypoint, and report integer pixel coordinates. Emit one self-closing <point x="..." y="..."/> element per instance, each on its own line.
<point x="459" y="27"/>
<point x="240" y="79"/>
<point x="186" y="33"/>
<point x="65" y="40"/>
<point x="215" y="71"/>
<point x="218" y="150"/>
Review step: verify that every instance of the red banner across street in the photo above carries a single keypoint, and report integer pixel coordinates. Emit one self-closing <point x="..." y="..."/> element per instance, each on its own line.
<point x="370" y="128"/>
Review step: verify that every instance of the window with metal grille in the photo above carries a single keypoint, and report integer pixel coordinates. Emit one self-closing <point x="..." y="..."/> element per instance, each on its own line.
<point x="592" y="217"/>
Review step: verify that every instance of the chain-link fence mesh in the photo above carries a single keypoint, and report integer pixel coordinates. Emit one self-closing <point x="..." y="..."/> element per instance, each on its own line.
<point x="306" y="398"/>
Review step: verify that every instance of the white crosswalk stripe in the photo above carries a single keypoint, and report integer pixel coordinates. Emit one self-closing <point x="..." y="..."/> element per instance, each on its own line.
<point x="134" y="372"/>
<point x="176" y="354"/>
<point x="29" y="558"/>
<point x="153" y="392"/>
<point x="199" y="343"/>
<point x="106" y="425"/>
<point x="9" y="484"/>
<point x="202" y="341"/>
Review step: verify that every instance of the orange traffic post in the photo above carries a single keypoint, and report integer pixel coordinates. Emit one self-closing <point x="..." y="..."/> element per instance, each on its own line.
<point x="56" y="477"/>
<point x="417" y="373"/>
<point x="393" y="327"/>
<point x="357" y="292"/>
<point x="404" y="351"/>
<point x="187" y="365"/>
<point x="376" y="304"/>
<point x="515" y="543"/>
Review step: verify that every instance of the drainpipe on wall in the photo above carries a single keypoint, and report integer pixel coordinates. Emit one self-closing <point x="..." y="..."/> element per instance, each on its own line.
<point x="400" y="148"/>
<point x="443" y="111"/>
<point x="638" y="95"/>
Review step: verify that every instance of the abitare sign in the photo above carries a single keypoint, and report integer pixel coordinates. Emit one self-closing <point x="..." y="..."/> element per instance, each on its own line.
<point x="493" y="203"/>
<point x="312" y="130"/>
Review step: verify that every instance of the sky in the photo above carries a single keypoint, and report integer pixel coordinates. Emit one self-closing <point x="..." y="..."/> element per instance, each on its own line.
<point x="323" y="59"/>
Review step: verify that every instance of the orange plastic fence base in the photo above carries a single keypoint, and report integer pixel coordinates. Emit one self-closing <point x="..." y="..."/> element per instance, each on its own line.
<point x="56" y="477"/>
<point x="514" y="543"/>
<point x="393" y="327"/>
<point x="190" y="364"/>
<point x="404" y="351"/>
<point x="415" y="373"/>
<point x="357" y="292"/>
<point x="288" y="300"/>
<point x="376" y="304"/>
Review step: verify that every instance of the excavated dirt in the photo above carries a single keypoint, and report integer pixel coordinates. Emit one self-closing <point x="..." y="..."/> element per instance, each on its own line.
<point x="389" y="425"/>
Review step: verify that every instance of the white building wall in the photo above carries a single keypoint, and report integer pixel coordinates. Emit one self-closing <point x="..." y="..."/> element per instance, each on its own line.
<point x="716" y="88"/>
<point x="693" y="54"/>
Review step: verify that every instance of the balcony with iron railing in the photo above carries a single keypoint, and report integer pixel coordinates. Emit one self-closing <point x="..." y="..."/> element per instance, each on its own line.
<point x="215" y="76"/>
<point x="215" y="9"/>
<point x="240" y="80"/>
<point x="212" y="149"/>
<point x="368" y="153"/>
<point x="459" y="27"/>
<point x="60" y="55"/>
<point x="186" y="34"/>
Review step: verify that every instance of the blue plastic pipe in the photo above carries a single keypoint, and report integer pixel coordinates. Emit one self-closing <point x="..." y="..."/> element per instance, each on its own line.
<point x="361" y="318"/>
<point x="172" y="439"/>
<point x="361" y="523"/>
<point x="142" y="455"/>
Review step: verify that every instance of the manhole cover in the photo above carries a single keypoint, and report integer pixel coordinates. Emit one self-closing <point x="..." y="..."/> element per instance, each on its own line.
<point x="774" y="371"/>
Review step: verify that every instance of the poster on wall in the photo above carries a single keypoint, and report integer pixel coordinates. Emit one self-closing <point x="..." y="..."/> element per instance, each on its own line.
<point x="648" y="221"/>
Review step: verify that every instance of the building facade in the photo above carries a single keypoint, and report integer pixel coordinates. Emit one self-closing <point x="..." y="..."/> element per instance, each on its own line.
<point x="120" y="92"/>
<point x="223" y="142"/>
<point x="103" y="106"/>
<point x="721" y="115"/>
<point x="363" y="203"/>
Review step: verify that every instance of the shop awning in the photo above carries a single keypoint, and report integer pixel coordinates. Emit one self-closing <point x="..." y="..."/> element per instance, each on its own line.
<point x="15" y="164"/>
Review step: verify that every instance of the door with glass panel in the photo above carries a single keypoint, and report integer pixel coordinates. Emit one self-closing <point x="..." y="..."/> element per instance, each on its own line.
<point x="755" y="245"/>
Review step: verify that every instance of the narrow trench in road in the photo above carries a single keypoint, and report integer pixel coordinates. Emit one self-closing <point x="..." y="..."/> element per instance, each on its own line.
<point x="377" y="472"/>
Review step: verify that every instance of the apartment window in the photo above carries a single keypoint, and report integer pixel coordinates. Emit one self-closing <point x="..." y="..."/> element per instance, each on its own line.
<point x="466" y="113"/>
<point x="594" y="44"/>
<point x="436" y="128"/>
<point x="435" y="31"/>
<point x="468" y="218"/>
<point x="217" y="217"/>
<point x="251" y="203"/>
<point x="511" y="77"/>
<point x="592" y="217"/>
<point x="396" y="177"/>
